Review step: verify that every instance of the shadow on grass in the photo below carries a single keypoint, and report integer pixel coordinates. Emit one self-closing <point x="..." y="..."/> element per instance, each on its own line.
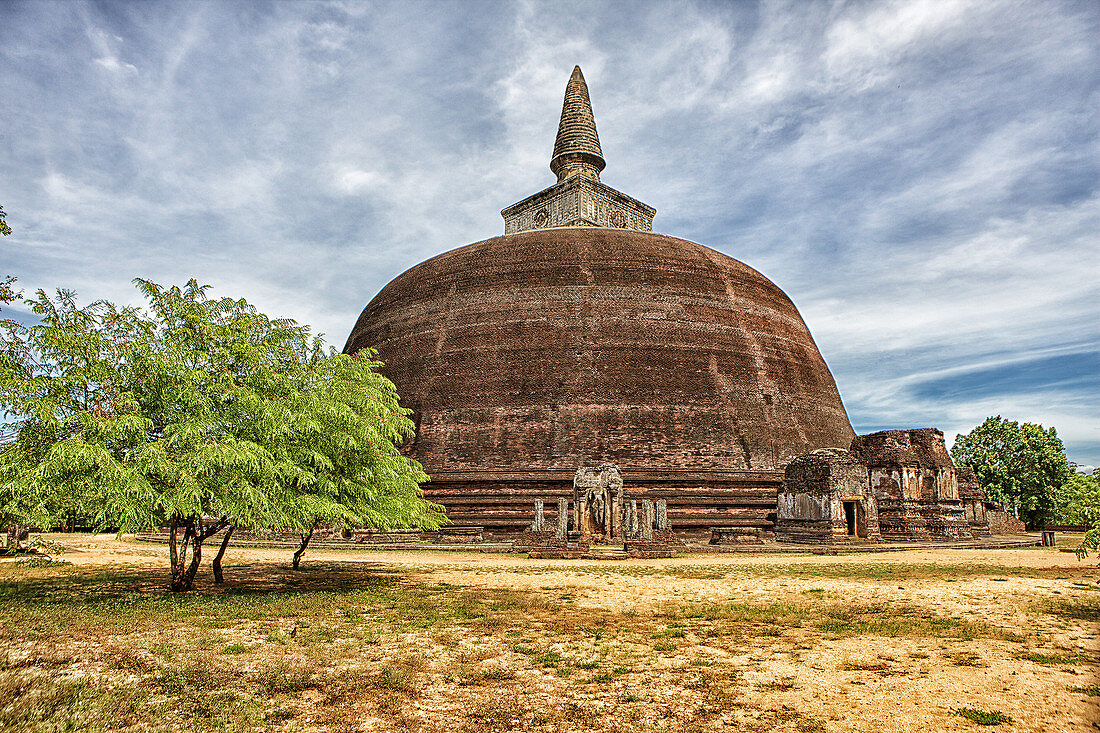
<point x="1084" y="609"/>
<point x="46" y="605"/>
<point x="42" y="602"/>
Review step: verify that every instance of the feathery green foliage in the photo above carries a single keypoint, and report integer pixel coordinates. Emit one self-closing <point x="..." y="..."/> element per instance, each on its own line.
<point x="201" y="414"/>
<point x="8" y="293"/>
<point x="1091" y="541"/>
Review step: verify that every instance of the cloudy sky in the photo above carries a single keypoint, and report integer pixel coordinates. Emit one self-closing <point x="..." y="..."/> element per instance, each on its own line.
<point x="921" y="177"/>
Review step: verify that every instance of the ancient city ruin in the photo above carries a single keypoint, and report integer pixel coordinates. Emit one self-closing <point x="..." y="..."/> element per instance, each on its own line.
<point x="582" y="380"/>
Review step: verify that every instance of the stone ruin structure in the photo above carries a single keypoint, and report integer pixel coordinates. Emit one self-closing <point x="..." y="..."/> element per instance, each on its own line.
<point x="894" y="485"/>
<point x="826" y="498"/>
<point x="545" y="540"/>
<point x="973" y="501"/>
<point x="580" y="336"/>
<point x="913" y="481"/>
<point x="598" y="498"/>
<point x="602" y="513"/>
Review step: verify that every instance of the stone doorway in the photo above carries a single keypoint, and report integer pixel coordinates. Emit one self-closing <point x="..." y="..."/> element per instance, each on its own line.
<point x="851" y="518"/>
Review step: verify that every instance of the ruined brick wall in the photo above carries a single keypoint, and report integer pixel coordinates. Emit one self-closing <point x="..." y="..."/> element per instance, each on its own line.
<point x="811" y="501"/>
<point x="973" y="501"/>
<point x="915" y="484"/>
<point x="502" y="501"/>
<point x="1002" y="522"/>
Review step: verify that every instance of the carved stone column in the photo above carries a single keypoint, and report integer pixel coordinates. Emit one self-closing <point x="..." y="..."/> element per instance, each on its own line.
<point x="662" y="515"/>
<point x="563" y="519"/>
<point x="540" y="521"/>
<point x="647" y="519"/>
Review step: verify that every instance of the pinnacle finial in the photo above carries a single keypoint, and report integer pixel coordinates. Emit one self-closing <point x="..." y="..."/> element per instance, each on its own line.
<point x="577" y="147"/>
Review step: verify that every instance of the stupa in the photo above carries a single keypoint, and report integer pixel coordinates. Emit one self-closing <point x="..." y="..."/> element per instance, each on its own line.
<point x="580" y="337"/>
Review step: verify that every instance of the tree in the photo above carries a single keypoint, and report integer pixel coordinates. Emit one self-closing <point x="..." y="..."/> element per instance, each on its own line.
<point x="4" y="228"/>
<point x="8" y="293"/>
<point x="202" y="415"/>
<point x="15" y="535"/>
<point x="1081" y="505"/>
<point x="1023" y="466"/>
<point x="1081" y="500"/>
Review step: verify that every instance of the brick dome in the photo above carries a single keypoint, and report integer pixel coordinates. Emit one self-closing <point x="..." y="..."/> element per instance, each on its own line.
<point x="551" y="349"/>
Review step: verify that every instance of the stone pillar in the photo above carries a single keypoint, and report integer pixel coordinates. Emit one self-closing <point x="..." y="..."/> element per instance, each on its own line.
<point x="540" y="522"/>
<point x="632" y="520"/>
<point x="582" y="522"/>
<point x="563" y="519"/>
<point x="662" y="515"/>
<point x="647" y="519"/>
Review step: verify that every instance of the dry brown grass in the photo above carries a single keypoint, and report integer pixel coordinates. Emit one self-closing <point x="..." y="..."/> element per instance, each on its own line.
<point x="426" y="643"/>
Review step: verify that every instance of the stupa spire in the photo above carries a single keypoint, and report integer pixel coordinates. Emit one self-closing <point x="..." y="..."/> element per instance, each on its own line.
<point x="579" y="198"/>
<point x="577" y="147"/>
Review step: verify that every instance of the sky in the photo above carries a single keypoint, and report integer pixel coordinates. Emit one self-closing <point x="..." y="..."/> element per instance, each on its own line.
<point x="921" y="177"/>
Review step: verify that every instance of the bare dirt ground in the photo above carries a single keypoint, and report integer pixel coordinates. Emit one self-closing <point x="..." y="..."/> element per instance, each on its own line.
<point x="923" y="640"/>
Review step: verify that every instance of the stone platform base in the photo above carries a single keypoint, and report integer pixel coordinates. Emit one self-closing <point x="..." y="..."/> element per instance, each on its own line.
<point x="994" y="542"/>
<point x="501" y="502"/>
<point x="612" y="553"/>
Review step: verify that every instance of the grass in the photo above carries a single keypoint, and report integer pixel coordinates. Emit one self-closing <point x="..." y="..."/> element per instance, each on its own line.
<point x="965" y="658"/>
<point x="898" y="620"/>
<point x="1091" y="691"/>
<point x="983" y="717"/>
<point x="1055" y="658"/>
<point x="338" y="645"/>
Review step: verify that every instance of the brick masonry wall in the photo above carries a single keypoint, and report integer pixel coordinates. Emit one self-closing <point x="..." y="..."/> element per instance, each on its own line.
<point x="566" y="347"/>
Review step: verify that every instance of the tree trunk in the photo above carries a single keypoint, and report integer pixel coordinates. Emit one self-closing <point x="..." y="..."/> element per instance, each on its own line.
<point x="23" y="537"/>
<point x="183" y="575"/>
<point x="172" y="543"/>
<point x="195" y="533"/>
<point x="221" y="551"/>
<point x="196" y="552"/>
<point x="302" y="548"/>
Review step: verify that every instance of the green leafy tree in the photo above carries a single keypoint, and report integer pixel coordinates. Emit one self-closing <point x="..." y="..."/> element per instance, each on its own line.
<point x="1081" y="500"/>
<point x="1022" y="465"/>
<point x="203" y="415"/>
<point x="4" y="228"/>
<point x="1081" y="505"/>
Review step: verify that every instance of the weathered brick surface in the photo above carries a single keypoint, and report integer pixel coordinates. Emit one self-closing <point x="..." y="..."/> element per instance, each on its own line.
<point x="503" y="501"/>
<point x="914" y="483"/>
<point x="1001" y="522"/>
<point x="811" y="506"/>
<point x="558" y="348"/>
<point x="581" y="337"/>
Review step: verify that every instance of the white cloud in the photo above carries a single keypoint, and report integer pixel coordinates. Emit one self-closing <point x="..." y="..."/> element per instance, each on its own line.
<point x="112" y="64"/>
<point x="863" y="50"/>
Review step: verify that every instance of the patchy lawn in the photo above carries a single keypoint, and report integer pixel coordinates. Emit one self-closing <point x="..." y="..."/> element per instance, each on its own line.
<point x="366" y="641"/>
